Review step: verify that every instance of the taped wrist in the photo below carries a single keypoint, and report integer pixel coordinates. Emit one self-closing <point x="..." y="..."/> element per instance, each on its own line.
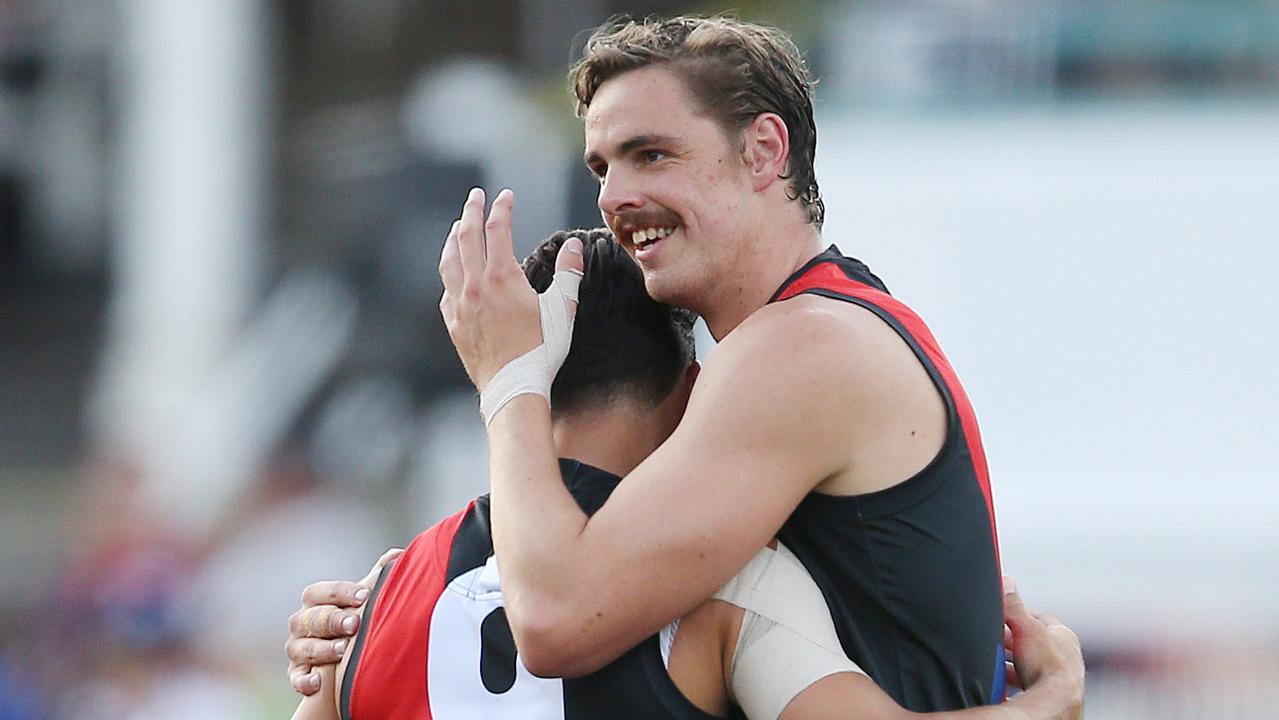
<point x="534" y="371"/>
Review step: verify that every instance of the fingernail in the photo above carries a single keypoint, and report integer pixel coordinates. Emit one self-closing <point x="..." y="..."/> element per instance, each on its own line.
<point x="348" y="624"/>
<point x="1010" y="586"/>
<point x="339" y="647"/>
<point x="313" y="681"/>
<point x="362" y="594"/>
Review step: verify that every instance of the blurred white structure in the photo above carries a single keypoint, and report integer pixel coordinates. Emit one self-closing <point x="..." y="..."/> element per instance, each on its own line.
<point x="478" y="111"/>
<point x="189" y="218"/>
<point x="1102" y="279"/>
<point x="893" y="52"/>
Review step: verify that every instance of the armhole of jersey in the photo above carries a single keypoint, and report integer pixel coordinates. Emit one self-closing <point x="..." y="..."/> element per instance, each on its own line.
<point x="920" y="484"/>
<point x="348" y="677"/>
<point x="916" y="348"/>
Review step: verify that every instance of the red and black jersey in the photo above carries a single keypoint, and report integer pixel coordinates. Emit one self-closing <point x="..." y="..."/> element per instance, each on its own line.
<point x="911" y="573"/>
<point x="437" y="643"/>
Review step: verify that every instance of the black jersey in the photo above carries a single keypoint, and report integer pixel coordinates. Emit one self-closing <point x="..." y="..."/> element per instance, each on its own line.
<point x="437" y="642"/>
<point x="911" y="573"/>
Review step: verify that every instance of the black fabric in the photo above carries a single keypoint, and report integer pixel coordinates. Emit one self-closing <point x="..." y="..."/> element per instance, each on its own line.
<point x="910" y="572"/>
<point x="636" y="686"/>
<point x="344" y="704"/>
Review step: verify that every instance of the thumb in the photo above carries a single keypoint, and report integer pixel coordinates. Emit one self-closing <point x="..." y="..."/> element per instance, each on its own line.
<point x="569" y="265"/>
<point x="570" y="256"/>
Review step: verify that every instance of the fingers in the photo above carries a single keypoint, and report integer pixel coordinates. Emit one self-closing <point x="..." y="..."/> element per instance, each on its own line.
<point x="303" y="680"/>
<point x="309" y="651"/>
<point x="570" y="259"/>
<point x="497" y="231"/>
<point x="470" y="236"/>
<point x="1011" y="677"/>
<point x="1016" y="616"/>
<point x="451" y="262"/>
<point x="570" y="256"/>
<point x="387" y="558"/>
<point x="1049" y="620"/>
<point x="323" y="621"/>
<point x="335" y="592"/>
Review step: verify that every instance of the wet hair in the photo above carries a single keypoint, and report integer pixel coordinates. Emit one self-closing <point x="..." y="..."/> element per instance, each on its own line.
<point x="626" y="345"/>
<point x="733" y="69"/>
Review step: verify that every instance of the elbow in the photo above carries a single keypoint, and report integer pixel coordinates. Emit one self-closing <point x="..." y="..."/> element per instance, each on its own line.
<point x="552" y="642"/>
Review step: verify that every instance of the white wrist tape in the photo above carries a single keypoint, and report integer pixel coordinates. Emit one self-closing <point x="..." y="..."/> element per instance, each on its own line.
<point x="534" y="371"/>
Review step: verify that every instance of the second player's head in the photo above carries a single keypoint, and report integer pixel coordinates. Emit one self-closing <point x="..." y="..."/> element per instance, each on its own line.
<point x="626" y="346"/>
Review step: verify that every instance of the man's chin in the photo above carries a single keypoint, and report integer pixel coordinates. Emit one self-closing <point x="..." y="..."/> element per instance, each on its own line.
<point x="666" y="289"/>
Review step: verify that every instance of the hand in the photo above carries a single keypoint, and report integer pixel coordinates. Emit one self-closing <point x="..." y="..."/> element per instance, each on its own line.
<point x="319" y="631"/>
<point x="1043" y="652"/>
<point x="489" y="308"/>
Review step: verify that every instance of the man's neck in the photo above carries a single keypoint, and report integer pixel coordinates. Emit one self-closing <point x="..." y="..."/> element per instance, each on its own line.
<point x="614" y="438"/>
<point x="771" y="260"/>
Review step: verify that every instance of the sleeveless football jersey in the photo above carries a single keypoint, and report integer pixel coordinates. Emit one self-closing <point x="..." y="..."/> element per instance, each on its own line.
<point x="911" y="573"/>
<point x="438" y="646"/>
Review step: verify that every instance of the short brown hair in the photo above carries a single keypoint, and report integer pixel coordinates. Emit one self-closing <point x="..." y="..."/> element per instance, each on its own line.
<point x="735" y="70"/>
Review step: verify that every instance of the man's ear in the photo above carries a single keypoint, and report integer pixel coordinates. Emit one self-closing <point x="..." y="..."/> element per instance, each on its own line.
<point x="766" y="147"/>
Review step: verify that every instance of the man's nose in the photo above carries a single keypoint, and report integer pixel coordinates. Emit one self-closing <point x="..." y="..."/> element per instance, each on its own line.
<point x="619" y="194"/>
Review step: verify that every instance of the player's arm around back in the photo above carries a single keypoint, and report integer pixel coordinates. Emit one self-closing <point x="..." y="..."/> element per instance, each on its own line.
<point x="580" y="592"/>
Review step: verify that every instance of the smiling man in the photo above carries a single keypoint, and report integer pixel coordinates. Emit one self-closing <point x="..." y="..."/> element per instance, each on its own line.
<point x="827" y="416"/>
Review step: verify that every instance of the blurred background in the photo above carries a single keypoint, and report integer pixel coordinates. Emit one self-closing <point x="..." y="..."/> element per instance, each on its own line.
<point x="223" y="375"/>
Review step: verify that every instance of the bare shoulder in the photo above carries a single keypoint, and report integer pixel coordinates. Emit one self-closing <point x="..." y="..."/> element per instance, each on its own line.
<point x="809" y="333"/>
<point x="882" y="418"/>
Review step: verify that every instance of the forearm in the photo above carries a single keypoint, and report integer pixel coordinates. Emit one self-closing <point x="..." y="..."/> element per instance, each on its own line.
<point x="852" y="695"/>
<point x="536" y="523"/>
<point x="1047" y="700"/>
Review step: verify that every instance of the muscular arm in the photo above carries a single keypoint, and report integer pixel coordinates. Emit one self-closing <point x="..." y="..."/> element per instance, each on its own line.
<point x="580" y="592"/>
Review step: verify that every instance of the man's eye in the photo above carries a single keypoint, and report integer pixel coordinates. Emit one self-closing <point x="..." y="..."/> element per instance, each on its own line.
<point x="652" y="156"/>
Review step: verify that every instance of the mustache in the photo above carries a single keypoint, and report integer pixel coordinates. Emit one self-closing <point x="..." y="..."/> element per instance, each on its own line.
<point x="624" y="224"/>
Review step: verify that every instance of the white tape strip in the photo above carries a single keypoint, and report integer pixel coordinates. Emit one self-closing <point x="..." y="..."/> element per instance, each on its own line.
<point x="534" y="371"/>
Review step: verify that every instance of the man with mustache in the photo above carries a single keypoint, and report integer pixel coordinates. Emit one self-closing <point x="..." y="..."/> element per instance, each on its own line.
<point x="827" y="416"/>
